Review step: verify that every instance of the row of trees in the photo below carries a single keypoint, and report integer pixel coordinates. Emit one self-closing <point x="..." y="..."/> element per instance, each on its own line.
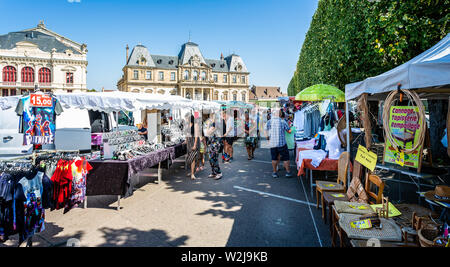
<point x="350" y="40"/>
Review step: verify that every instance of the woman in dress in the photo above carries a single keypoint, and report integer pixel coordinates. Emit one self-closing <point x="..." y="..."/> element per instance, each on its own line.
<point x="193" y="147"/>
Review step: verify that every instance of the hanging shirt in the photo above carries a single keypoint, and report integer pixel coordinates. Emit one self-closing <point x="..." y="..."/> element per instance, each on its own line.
<point x="38" y="123"/>
<point x="80" y="168"/>
<point x="299" y="120"/>
<point x="34" y="211"/>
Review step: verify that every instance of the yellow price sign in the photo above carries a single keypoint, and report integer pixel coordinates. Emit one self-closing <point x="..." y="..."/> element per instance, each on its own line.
<point x="367" y="158"/>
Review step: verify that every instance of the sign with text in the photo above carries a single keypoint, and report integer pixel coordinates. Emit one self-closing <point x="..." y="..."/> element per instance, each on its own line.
<point x="404" y="125"/>
<point x="367" y="158"/>
<point x="40" y="100"/>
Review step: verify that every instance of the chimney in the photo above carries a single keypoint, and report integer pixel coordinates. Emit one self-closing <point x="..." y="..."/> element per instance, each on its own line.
<point x="221" y="56"/>
<point x="126" y="62"/>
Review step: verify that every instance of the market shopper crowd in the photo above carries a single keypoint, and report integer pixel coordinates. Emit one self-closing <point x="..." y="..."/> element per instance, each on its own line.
<point x="213" y="135"/>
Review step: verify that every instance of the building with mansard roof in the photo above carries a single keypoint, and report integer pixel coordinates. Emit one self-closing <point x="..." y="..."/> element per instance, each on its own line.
<point x="41" y="57"/>
<point x="188" y="74"/>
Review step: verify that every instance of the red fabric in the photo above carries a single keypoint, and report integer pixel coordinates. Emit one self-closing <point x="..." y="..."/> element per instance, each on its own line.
<point x="326" y="165"/>
<point x="62" y="183"/>
<point x="340" y="113"/>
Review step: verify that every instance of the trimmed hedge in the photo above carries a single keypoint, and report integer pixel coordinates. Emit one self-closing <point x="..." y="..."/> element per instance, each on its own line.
<point x="350" y="40"/>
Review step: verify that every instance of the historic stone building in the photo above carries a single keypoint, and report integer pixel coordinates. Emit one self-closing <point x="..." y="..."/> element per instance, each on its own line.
<point x="41" y="57"/>
<point x="189" y="74"/>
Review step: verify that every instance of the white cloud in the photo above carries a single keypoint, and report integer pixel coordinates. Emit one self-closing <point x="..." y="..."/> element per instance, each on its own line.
<point x="74" y="1"/>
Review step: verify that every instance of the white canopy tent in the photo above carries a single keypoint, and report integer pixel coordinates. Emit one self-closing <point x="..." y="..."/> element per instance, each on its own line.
<point x="115" y="101"/>
<point x="429" y="71"/>
<point x="428" y="74"/>
<point x="119" y="101"/>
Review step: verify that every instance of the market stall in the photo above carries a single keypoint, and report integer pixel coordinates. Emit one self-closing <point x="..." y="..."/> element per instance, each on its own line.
<point x="404" y="122"/>
<point x="123" y="152"/>
<point x="404" y="89"/>
<point x="316" y="130"/>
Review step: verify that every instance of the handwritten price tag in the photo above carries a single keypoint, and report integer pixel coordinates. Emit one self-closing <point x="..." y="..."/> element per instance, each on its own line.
<point x="38" y="100"/>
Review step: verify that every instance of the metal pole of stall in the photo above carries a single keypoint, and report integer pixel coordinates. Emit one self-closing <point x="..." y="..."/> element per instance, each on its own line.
<point x="117" y="129"/>
<point x="117" y="121"/>
<point x="347" y="119"/>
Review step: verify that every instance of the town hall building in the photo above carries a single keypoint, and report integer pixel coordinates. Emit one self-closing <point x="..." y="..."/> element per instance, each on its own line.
<point x="189" y="74"/>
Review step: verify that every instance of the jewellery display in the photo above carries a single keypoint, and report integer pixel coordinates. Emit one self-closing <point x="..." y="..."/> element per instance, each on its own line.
<point x="173" y="134"/>
<point x="145" y="148"/>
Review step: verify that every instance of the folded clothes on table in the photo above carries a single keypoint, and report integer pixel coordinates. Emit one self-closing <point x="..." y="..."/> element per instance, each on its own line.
<point x="316" y="156"/>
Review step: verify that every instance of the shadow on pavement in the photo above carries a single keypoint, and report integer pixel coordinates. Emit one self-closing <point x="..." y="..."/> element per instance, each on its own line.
<point x="259" y="220"/>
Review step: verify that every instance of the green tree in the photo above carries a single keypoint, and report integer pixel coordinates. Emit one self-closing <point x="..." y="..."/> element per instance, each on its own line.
<point x="350" y="40"/>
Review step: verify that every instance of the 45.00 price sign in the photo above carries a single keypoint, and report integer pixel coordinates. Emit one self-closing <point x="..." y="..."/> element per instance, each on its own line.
<point x="40" y="100"/>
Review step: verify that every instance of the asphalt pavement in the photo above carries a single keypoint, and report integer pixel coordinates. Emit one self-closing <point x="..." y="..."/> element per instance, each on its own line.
<point x="247" y="207"/>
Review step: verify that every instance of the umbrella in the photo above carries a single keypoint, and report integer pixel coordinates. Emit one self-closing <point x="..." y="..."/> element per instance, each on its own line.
<point x="320" y="92"/>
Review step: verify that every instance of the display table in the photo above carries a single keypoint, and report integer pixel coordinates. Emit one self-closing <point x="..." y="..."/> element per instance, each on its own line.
<point x="113" y="177"/>
<point x="326" y="164"/>
<point x="418" y="179"/>
<point x="402" y="221"/>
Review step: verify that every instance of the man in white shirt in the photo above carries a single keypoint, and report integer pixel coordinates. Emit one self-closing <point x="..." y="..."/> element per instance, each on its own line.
<point x="228" y="136"/>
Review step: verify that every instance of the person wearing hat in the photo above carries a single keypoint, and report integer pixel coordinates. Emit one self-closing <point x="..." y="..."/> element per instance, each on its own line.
<point x="440" y="193"/>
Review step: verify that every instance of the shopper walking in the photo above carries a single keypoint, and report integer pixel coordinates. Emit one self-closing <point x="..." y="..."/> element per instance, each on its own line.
<point x="202" y="152"/>
<point x="223" y="139"/>
<point x="229" y="137"/>
<point x="276" y="128"/>
<point x="193" y="147"/>
<point x="214" y="147"/>
<point x="250" y="138"/>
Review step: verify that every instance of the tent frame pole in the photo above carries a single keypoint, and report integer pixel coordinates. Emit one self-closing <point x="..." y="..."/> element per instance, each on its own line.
<point x="347" y="119"/>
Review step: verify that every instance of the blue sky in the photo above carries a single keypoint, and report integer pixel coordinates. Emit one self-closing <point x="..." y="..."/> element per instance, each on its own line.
<point x="267" y="34"/>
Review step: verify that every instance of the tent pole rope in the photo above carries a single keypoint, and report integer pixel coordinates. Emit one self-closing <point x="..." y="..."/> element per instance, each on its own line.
<point x="363" y="107"/>
<point x="413" y="97"/>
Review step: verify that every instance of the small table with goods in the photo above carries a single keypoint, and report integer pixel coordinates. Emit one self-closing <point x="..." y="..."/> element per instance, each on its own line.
<point x="359" y="225"/>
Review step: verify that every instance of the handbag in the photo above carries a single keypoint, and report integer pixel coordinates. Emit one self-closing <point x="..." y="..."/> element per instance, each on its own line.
<point x="192" y="156"/>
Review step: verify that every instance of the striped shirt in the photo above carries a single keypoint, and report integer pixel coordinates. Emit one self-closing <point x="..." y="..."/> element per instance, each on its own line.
<point x="276" y="128"/>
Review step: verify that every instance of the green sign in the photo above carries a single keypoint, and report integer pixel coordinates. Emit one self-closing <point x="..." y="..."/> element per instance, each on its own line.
<point x="404" y="125"/>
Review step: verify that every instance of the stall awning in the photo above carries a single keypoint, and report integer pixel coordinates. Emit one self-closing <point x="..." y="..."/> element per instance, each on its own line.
<point x="117" y="101"/>
<point x="429" y="70"/>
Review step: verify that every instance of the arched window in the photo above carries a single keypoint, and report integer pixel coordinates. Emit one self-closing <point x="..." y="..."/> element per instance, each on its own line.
<point x="195" y="75"/>
<point x="27" y="75"/>
<point x="9" y="74"/>
<point x="186" y="75"/>
<point x="203" y="76"/>
<point x="69" y="78"/>
<point x="244" y="97"/>
<point x="234" y="97"/>
<point x="45" y="75"/>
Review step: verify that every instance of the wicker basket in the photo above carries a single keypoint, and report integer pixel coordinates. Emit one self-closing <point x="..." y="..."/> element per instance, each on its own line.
<point x="425" y="236"/>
